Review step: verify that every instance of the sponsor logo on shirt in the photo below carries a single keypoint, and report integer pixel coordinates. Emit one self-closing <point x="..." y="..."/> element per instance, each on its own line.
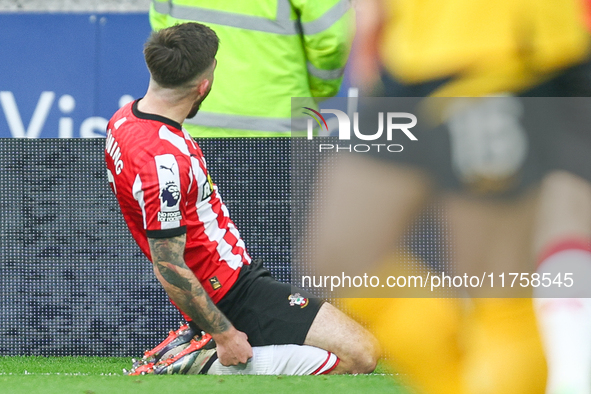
<point x="207" y="188"/>
<point x="169" y="216"/>
<point x="163" y="167"/>
<point x="215" y="283"/>
<point x="170" y="195"/>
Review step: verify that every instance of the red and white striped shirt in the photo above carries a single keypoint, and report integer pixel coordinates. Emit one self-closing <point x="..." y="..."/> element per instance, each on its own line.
<point x="159" y="176"/>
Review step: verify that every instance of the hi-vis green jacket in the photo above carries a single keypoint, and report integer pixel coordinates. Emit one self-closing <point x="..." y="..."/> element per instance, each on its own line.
<point x="270" y="51"/>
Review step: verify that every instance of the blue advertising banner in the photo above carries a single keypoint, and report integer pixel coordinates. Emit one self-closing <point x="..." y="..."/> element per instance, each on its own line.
<point x="64" y="75"/>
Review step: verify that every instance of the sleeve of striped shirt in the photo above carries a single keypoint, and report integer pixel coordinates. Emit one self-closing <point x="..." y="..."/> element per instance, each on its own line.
<point x="161" y="190"/>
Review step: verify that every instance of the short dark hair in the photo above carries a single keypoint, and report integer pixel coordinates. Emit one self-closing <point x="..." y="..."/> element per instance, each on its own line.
<point x="179" y="53"/>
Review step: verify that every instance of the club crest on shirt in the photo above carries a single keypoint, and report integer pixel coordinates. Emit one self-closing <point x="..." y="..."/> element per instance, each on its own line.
<point x="297" y="299"/>
<point x="170" y="194"/>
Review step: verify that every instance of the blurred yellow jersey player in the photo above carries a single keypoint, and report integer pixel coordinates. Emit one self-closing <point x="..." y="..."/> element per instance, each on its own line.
<point x="465" y="48"/>
<point x="469" y="47"/>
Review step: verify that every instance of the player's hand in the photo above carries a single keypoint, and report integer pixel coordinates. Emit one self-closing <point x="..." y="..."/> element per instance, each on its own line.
<point x="233" y="347"/>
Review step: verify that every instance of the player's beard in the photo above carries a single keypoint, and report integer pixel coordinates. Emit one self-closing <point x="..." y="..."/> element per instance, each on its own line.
<point x="196" y="105"/>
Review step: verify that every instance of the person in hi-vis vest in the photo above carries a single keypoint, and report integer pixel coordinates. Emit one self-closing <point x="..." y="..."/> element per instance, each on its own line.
<point x="270" y="51"/>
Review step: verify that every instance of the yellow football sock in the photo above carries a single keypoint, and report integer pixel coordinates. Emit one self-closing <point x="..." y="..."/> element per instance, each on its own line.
<point x="418" y="335"/>
<point x="503" y="350"/>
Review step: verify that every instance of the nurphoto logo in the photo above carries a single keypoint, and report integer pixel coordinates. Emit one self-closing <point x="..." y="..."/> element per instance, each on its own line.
<point x="396" y="122"/>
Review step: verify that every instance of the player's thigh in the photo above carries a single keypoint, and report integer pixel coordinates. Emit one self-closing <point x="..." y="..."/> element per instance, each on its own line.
<point x="388" y="199"/>
<point x="491" y="235"/>
<point x="564" y="210"/>
<point x="334" y="331"/>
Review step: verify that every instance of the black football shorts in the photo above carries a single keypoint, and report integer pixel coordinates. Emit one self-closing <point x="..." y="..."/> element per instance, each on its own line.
<point x="500" y="147"/>
<point x="268" y="311"/>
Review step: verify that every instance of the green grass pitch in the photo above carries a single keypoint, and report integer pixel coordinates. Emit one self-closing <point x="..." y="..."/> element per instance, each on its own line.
<point x="98" y="375"/>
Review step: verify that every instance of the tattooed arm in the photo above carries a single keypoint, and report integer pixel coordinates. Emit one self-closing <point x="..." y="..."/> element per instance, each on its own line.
<point x="188" y="294"/>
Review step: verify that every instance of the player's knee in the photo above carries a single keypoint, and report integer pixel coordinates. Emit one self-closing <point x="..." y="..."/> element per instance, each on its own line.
<point x="363" y="363"/>
<point x="367" y="364"/>
<point x="364" y="357"/>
